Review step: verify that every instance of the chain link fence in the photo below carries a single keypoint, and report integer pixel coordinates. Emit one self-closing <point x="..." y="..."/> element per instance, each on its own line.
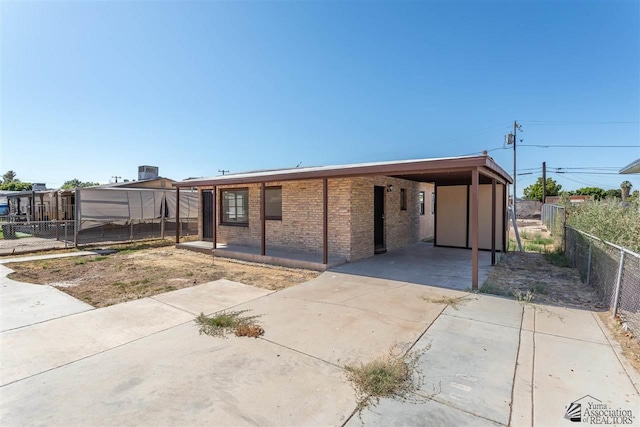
<point x="31" y="236"/>
<point x="553" y="217"/>
<point x="612" y="270"/>
<point x="17" y="237"/>
<point x="92" y="232"/>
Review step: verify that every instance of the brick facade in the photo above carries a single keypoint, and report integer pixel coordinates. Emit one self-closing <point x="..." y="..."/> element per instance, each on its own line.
<point x="350" y="207"/>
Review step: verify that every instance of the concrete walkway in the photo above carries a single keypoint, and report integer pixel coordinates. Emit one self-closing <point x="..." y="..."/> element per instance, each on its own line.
<point x="490" y="361"/>
<point x="23" y="304"/>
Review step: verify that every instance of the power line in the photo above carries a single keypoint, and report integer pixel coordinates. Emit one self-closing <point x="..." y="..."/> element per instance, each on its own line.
<point x="488" y="151"/>
<point x="592" y="168"/>
<point x="569" y="122"/>
<point x="589" y="173"/>
<point x="473" y="133"/>
<point x="579" y="146"/>
<point x="583" y="182"/>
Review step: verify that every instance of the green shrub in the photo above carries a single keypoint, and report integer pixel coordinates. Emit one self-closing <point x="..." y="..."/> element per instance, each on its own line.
<point x="608" y="221"/>
<point x="557" y="258"/>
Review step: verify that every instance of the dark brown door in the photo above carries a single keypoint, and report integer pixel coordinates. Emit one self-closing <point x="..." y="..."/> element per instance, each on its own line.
<point x="207" y="215"/>
<point x="378" y="220"/>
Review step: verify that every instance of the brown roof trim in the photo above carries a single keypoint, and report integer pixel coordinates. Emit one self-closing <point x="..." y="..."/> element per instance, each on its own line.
<point x="381" y="168"/>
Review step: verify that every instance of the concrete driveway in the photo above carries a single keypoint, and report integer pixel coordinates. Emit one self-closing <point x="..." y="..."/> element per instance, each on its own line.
<point x="491" y="361"/>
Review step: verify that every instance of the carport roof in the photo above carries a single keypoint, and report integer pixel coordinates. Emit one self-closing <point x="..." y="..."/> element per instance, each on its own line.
<point x="447" y="170"/>
<point x="633" y="167"/>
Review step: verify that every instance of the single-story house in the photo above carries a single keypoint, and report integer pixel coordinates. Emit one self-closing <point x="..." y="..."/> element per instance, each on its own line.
<point x="358" y="210"/>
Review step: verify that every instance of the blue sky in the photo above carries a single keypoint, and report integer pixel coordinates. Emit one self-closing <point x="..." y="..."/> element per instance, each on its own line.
<point x="93" y="89"/>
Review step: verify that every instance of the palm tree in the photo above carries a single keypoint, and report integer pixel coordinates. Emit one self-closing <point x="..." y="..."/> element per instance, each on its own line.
<point x="626" y="189"/>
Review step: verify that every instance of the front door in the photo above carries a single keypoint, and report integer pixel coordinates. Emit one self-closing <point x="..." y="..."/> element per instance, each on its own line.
<point x="207" y="215"/>
<point x="378" y="220"/>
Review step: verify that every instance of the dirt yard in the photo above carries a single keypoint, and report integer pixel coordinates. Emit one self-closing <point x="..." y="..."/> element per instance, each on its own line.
<point x="533" y="236"/>
<point x="137" y="273"/>
<point x="549" y="283"/>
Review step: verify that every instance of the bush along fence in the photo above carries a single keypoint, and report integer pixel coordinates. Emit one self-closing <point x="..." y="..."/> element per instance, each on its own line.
<point x="614" y="271"/>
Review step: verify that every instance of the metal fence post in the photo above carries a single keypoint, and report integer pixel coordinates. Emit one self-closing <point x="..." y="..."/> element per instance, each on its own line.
<point x="575" y="251"/>
<point x="618" y="283"/>
<point x="66" y="231"/>
<point x="589" y="263"/>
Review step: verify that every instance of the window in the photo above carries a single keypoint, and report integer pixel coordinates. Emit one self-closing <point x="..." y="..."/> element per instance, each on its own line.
<point x="273" y="203"/>
<point x="421" y="201"/>
<point x="235" y="207"/>
<point x="403" y="199"/>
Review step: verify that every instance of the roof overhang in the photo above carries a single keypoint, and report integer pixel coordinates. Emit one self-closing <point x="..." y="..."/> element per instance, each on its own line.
<point x="633" y="167"/>
<point x="440" y="171"/>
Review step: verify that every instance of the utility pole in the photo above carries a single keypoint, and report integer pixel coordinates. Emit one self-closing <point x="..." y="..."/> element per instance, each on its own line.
<point x="116" y="178"/>
<point x="223" y="171"/>
<point x="511" y="139"/>
<point x="544" y="182"/>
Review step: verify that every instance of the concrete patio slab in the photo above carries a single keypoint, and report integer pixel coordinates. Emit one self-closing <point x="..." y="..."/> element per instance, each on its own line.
<point x="473" y="363"/>
<point x="568" y="369"/>
<point x="33" y="349"/>
<point x="335" y="333"/>
<point x="569" y="323"/>
<point x="23" y="304"/>
<point x="424" y="264"/>
<point x="211" y="297"/>
<point x="202" y="381"/>
<point x="425" y="413"/>
<point x="274" y="256"/>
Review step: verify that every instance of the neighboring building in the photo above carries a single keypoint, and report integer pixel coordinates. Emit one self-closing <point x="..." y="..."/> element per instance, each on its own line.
<point x="4" y="203"/>
<point x="528" y="209"/>
<point x="32" y="205"/>
<point x="40" y="204"/>
<point x="148" y="178"/>
<point x="573" y="199"/>
<point x="356" y="211"/>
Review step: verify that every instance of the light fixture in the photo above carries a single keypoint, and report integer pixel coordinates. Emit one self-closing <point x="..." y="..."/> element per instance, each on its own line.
<point x="389" y="188"/>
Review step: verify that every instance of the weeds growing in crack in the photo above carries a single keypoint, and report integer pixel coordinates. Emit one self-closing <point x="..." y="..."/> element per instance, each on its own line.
<point x="395" y="375"/>
<point x="226" y="322"/>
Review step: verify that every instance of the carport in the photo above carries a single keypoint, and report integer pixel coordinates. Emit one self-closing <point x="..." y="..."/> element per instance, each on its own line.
<point x="470" y="203"/>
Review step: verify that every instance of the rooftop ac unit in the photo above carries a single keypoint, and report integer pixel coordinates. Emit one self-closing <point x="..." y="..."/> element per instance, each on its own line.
<point x="147" y="172"/>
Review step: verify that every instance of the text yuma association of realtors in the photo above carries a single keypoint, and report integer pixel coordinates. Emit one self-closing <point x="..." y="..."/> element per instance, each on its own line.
<point x="599" y="413"/>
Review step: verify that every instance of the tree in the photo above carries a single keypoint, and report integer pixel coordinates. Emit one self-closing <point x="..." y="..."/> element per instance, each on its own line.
<point x="8" y="177"/>
<point x="614" y="194"/>
<point x="75" y="183"/>
<point x="626" y="189"/>
<point x="534" y="191"/>
<point x="595" y="192"/>
<point x="11" y="183"/>
<point x="15" y="186"/>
